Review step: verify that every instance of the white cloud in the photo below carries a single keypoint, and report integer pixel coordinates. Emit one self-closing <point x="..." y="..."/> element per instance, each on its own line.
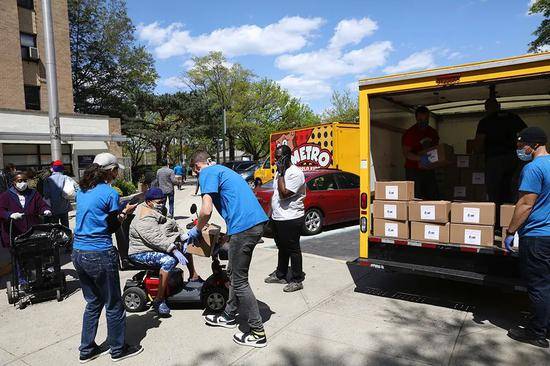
<point x="287" y="35"/>
<point x="304" y="88"/>
<point x="353" y="86"/>
<point x="328" y="63"/>
<point x="416" y="61"/>
<point x="175" y="82"/>
<point x="352" y="31"/>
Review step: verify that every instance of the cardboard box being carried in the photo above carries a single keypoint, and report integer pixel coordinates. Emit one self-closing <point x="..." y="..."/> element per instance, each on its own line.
<point x="423" y="231"/>
<point x="429" y="211"/>
<point x="210" y="236"/>
<point x="390" y="210"/>
<point x="391" y="229"/>
<point x="506" y="213"/>
<point x="438" y="156"/>
<point x="394" y="191"/>
<point x="477" y="213"/>
<point x="472" y="234"/>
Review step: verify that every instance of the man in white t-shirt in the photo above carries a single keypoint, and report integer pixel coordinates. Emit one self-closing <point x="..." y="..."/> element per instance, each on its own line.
<point x="287" y="219"/>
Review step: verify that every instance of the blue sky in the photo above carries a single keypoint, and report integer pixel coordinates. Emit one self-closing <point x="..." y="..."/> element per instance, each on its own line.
<point x="315" y="47"/>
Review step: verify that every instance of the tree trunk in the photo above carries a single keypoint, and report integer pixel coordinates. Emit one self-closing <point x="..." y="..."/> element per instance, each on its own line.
<point x="158" y="152"/>
<point x="231" y="140"/>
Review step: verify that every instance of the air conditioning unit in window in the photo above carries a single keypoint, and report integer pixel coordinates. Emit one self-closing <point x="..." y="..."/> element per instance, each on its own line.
<point x="33" y="53"/>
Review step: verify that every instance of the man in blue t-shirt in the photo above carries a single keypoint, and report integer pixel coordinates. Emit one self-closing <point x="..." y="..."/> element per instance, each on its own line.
<point x="224" y="189"/>
<point x="531" y="220"/>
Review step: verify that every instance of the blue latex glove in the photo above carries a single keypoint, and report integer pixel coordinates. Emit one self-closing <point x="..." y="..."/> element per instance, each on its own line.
<point x="509" y="243"/>
<point x="180" y="257"/>
<point x="424" y="161"/>
<point x="194" y="235"/>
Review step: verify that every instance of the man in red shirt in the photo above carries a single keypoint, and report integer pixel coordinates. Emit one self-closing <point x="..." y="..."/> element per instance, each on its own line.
<point x="418" y="137"/>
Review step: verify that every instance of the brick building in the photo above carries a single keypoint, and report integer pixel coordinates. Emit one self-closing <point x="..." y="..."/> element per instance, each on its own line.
<point x="24" y="125"/>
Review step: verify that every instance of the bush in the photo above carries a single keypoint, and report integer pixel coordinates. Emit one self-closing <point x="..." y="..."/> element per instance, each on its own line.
<point x="127" y="188"/>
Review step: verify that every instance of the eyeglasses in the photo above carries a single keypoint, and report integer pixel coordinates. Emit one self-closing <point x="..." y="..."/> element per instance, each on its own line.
<point x="21" y="180"/>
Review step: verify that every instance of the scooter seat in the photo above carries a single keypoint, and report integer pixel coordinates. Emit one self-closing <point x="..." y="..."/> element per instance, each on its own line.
<point x="129" y="265"/>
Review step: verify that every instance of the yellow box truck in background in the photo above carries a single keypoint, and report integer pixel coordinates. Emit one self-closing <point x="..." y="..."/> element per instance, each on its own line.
<point x="327" y="146"/>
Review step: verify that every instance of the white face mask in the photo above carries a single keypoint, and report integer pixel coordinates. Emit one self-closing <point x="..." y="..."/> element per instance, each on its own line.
<point x="21" y="186"/>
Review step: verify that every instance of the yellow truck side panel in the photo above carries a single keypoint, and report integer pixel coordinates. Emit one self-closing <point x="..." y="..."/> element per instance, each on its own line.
<point x="346" y="148"/>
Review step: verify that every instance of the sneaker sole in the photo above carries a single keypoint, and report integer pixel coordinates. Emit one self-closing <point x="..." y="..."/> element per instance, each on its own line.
<point x="255" y="345"/>
<point x="127" y="356"/>
<point x="293" y="290"/>
<point x="221" y="325"/>
<point x="107" y="351"/>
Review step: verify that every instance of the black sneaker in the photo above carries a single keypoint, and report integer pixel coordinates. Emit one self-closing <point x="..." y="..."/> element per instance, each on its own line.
<point x="253" y="338"/>
<point x="222" y="320"/>
<point x="272" y="278"/>
<point x="127" y="352"/>
<point x="98" y="351"/>
<point x="525" y="336"/>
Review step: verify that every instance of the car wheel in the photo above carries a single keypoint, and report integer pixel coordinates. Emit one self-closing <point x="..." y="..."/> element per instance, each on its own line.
<point x="9" y="291"/>
<point x="313" y="222"/>
<point x="251" y="183"/>
<point x="135" y="299"/>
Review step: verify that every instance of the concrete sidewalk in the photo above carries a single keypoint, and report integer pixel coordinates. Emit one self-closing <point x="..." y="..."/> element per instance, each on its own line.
<point x="369" y="318"/>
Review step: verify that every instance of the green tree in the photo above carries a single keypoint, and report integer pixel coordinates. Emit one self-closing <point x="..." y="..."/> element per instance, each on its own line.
<point x="543" y="31"/>
<point x="344" y="108"/>
<point x="108" y="68"/>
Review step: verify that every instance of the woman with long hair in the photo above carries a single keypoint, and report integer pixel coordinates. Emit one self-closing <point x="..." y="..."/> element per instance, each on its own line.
<point x="96" y="261"/>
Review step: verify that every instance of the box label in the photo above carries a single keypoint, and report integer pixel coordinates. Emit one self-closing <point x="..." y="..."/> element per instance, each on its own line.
<point x="470" y="215"/>
<point x="472" y="237"/>
<point x="478" y="178"/>
<point x="433" y="157"/>
<point x="390" y="211"/>
<point x="460" y="191"/>
<point x="391" y="230"/>
<point x="392" y="192"/>
<point x="427" y="212"/>
<point x="431" y="232"/>
<point x="462" y="161"/>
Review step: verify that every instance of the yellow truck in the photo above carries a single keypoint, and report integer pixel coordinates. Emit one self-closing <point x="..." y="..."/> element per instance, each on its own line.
<point x="455" y="97"/>
<point x="330" y="146"/>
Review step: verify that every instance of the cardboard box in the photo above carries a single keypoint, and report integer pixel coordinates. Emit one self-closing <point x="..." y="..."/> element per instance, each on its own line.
<point x="470" y="146"/>
<point x="210" y="236"/>
<point x="394" y="191"/>
<point x="462" y="192"/>
<point x="390" y="210"/>
<point x="479" y="193"/>
<point x="429" y="211"/>
<point x="472" y="234"/>
<point x="423" y="231"/>
<point x="478" y="162"/>
<point x="438" y="156"/>
<point x="477" y="213"/>
<point x="463" y="161"/>
<point x="506" y="213"/>
<point x="478" y="178"/>
<point x="464" y="177"/>
<point x="391" y="229"/>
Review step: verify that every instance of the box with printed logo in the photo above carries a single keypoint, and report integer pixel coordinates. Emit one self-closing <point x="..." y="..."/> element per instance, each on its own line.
<point x="210" y="236"/>
<point x="390" y="210"/>
<point x="438" y="156"/>
<point x="462" y="192"/>
<point x="506" y="213"/>
<point x="394" y="191"/>
<point x="429" y="211"/>
<point x="424" y="231"/>
<point x="463" y="161"/>
<point x="476" y="213"/>
<point x="483" y="235"/>
<point x="391" y="229"/>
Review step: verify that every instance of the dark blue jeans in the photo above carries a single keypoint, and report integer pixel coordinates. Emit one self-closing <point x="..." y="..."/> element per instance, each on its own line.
<point x="98" y="275"/>
<point x="170" y="201"/>
<point x="534" y="256"/>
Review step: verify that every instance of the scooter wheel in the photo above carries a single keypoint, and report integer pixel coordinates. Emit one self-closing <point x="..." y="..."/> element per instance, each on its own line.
<point x="135" y="299"/>
<point x="58" y="295"/>
<point x="215" y="298"/>
<point x="9" y="292"/>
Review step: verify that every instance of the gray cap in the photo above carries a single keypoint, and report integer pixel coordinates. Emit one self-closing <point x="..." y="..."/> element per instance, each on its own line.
<point x="107" y="161"/>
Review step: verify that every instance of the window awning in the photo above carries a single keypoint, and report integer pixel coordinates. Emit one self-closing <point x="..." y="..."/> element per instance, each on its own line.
<point x="11" y="136"/>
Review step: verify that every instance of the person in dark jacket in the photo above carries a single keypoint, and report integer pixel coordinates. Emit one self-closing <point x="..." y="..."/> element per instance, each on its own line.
<point x="21" y="204"/>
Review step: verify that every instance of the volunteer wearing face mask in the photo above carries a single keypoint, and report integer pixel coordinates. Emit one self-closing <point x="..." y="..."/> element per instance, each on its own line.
<point x="21" y="204"/>
<point x="154" y="241"/>
<point x="417" y="138"/>
<point x="531" y="220"/>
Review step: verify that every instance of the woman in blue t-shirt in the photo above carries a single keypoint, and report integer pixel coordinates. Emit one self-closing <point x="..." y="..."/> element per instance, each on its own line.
<point x="95" y="259"/>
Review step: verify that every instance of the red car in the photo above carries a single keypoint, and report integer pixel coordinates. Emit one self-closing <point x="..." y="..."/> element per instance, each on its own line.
<point x="332" y="197"/>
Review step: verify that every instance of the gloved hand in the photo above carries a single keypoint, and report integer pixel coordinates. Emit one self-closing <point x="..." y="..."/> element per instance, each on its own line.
<point x="47" y="213"/>
<point x="424" y="161"/>
<point x="509" y="242"/>
<point x="180" y="257"/>
<point x="194" y="235"/>
<point x="17" y="216"/>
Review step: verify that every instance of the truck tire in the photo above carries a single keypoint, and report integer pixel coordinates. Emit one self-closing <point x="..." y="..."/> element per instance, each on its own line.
<point x="9" y="292"/>
<point x="313" y="222"/>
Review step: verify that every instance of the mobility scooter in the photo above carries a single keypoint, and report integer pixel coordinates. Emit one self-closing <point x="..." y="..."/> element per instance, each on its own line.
<point x="143" y="287"/>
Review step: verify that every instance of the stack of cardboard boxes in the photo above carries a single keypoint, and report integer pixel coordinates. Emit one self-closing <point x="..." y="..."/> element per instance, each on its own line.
<point x="390" y="209"/>
<point x="472" y="223"/>
<point x="430" y="220"/>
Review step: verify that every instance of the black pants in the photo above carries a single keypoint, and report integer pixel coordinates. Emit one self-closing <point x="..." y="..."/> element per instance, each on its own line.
<point x="425" y="185"/>
<point x="534" y="256"/>
<point x="287" y="237"/>
<point x="501" y="173"/>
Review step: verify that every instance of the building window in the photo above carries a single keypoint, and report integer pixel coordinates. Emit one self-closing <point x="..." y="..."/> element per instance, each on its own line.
<point x="27" y="40"/>
<point x="32" y="97"/>
<point x="27" y="4"/>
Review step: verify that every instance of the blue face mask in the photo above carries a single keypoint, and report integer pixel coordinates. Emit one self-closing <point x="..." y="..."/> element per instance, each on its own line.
<point x="522" y="155"/>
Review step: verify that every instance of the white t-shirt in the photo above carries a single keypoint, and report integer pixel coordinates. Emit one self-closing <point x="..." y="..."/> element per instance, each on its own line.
<point x="290" y="208"/>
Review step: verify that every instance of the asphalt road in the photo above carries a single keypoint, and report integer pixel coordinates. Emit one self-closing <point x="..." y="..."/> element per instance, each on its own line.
<point x="341" y="242"/>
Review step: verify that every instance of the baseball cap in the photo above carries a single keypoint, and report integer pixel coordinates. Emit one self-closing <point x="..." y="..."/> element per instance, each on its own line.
<point x="154" y="194"/>
<point x="107" y="161"/>
<point x="533" y="135"/>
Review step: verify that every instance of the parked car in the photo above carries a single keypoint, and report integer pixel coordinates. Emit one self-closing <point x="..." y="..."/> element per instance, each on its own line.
<point x="332" y="197"/>
<point x="248" y="175"/>
<point x="240" y="165"/>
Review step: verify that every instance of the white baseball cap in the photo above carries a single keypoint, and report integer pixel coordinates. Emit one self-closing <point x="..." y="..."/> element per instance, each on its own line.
<point x="107" y="161"/>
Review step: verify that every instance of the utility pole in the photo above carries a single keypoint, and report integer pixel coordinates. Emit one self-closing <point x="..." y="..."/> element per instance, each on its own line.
<point x="223" y="134"/>
<point x="51" y="80"/>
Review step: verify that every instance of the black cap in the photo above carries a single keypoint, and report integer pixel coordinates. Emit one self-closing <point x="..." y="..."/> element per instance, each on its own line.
<point x="533" y="135"/>
<point x="421" y="109"/>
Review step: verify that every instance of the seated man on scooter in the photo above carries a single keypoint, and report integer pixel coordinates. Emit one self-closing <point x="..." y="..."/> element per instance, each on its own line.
<point x="156" y="240"/>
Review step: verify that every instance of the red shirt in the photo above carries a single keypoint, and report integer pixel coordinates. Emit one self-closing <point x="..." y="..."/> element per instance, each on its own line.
<point x="418" y="139"/>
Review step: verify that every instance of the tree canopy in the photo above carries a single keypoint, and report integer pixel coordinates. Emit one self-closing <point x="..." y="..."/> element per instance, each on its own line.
<point x="543" y="31"/>
<point x="344" y="108"/>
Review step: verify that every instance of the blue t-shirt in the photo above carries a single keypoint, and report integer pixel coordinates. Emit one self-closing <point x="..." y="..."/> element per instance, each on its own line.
<point x="92" y="208"/>
<point x="178" y="170"/>
<point x="232" y="197"/>
<point x="535" y="178"/>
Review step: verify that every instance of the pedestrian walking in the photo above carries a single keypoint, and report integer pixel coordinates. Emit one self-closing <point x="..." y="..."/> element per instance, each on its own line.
<point x="53" y="191"/>
<point x="96" y="261"/>
<point x="184" y="169"/>
<point x="532" y="222"/>
<point x="166" y="180"/>
<point x="287" y="220"/>
<point x="178" y="172"/>
<point x="228" y="192"/>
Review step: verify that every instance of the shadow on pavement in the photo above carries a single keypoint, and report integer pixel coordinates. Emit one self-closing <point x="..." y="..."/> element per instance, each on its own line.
<point x="137" y="326"/>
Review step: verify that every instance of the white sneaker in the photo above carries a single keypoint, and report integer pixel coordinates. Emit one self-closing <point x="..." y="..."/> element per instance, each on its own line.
<point x="251" y="339"/>
<point x="221" y="321"/>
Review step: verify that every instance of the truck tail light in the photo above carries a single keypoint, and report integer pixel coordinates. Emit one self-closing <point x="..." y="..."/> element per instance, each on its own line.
<point x="363" y="224"/>
<point x="364" y="201"/>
